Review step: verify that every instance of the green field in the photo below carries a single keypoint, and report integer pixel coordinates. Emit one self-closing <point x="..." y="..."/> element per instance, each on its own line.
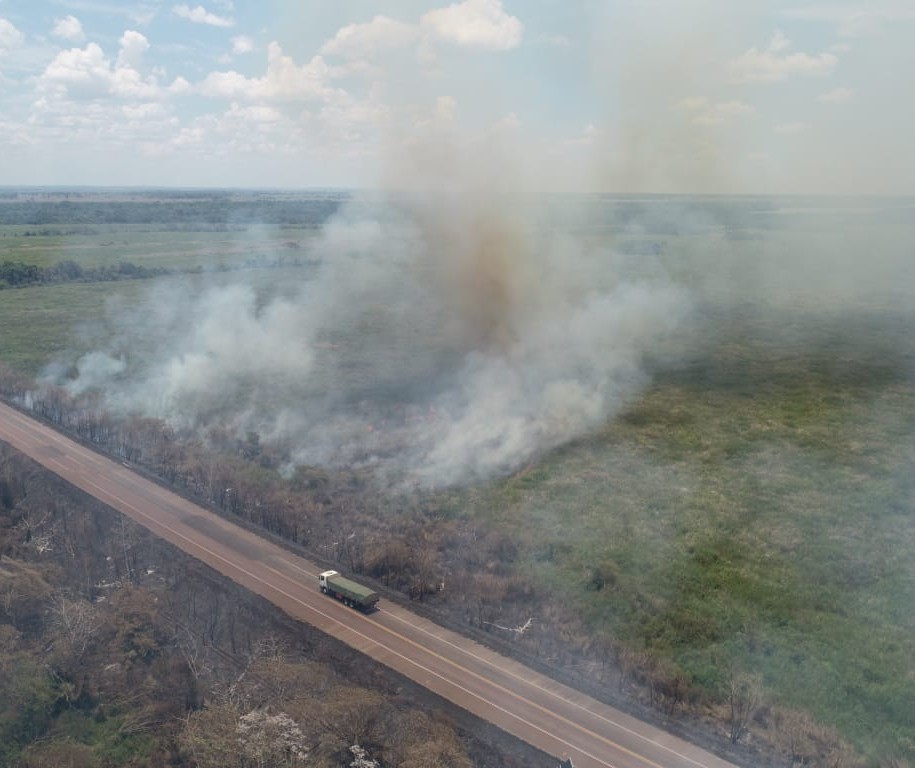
<point x="57" y="322"/>
<point x="753" y="507"/>
<point x="141" y="245"/>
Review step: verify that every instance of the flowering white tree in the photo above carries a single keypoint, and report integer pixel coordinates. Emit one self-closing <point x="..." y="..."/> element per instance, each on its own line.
<point x="268" y="739"/>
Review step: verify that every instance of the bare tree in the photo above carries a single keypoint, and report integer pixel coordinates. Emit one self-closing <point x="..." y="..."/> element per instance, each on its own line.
<point x="744" y="695"/>
<point x="77" y="622"/>
<point x="128" y="538"/>
<point x="191" y="648"/>
<point x="425" y="566"/>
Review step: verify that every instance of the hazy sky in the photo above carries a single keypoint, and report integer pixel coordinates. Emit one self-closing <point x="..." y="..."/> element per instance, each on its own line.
<point x="631" y="95"/>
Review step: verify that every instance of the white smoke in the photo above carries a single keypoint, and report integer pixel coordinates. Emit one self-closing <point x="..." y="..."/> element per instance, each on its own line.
<point x="447" y="336"/>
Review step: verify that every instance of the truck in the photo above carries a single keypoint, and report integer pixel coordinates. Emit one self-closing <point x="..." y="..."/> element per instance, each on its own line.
<point x="352" y="594"/>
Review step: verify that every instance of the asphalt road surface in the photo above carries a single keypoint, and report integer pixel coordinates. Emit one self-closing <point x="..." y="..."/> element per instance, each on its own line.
<point x="548" y="715"/>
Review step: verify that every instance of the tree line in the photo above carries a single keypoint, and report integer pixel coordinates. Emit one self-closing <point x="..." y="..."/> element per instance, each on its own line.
<point x="306" y="212"/>
<point x="17" y="274"/>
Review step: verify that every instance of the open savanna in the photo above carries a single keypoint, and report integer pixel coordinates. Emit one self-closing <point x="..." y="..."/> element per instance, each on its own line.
<point x="55" y="322"/>
<point x="753" y="511"/>
<point x="150" y="246"/>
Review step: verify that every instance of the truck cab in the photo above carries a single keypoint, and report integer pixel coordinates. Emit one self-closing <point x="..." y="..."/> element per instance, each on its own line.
<point x="322" y="579"/>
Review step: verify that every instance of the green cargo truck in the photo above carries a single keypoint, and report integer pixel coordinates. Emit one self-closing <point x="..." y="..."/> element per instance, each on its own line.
<point x="352" y="594"/>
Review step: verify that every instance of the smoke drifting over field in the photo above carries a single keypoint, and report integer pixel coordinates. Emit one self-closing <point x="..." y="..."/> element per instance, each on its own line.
<point x="450" y="331"/>
<point x="446" y="336"/>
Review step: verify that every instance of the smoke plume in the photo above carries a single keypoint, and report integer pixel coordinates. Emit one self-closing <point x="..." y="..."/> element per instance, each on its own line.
<point x="448" y="335"/>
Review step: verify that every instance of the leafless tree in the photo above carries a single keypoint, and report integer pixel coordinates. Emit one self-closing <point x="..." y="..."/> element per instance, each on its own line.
<point x="191" y="649"/>
<point x="77" y="622"/>
<point x="744" y="695"/>
<point x="425" y="565"/>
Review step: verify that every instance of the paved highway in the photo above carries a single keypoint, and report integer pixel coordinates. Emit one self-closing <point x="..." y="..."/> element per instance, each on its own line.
<point x="548" y="715"/>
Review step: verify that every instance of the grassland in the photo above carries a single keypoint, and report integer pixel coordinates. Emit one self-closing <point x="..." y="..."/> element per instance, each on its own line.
<point x="55" y="322"/>
<point x="143" y="245"/>
<point x="753" y="508"/>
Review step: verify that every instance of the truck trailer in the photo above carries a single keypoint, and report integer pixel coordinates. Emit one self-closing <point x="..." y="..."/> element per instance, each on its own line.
<point x="352" y="594"/>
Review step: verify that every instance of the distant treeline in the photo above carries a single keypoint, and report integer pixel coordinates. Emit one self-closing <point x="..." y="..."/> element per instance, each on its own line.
<point x="56" y="215"/>
<point x="15" y="274"/>
<point x="220" y="211"/>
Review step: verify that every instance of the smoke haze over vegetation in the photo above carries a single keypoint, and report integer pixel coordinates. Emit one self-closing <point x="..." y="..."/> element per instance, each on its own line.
<point x="614" y="302"/>
<point x="448" y="336"/>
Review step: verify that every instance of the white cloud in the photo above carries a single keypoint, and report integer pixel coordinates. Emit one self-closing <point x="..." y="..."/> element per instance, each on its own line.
<point x="242" y="44"/>
<point x="256" y="114"/>
<point x="146" y="111"/>
<point x="364" y="41"/>
<point x="200" y="15"/>
<point x="283" y="81"/>
<point x="837" y="96"/>
<point x="10" y="37"/>
<point x="83" y="71"/>
<point x="476" y="24"/>
<point x="105" y="125"/>
<point x="128" y="83"/>
<point x="86" y="73"/>
<point x="352" y="125"/>
<point x="180" y="87"/>
<point x="704" y="112"/>
<point x="133" y="46"/>
<point x="772" y="64"/>
<point x="69" y="28"/>
<point x="240" y="130"/>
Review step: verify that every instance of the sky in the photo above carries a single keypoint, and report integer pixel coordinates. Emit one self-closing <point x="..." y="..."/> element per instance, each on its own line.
<point x="638" y="96"/>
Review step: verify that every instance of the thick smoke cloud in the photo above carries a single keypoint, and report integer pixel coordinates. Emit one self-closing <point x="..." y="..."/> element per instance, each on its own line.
<point x="448" y="335"/>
